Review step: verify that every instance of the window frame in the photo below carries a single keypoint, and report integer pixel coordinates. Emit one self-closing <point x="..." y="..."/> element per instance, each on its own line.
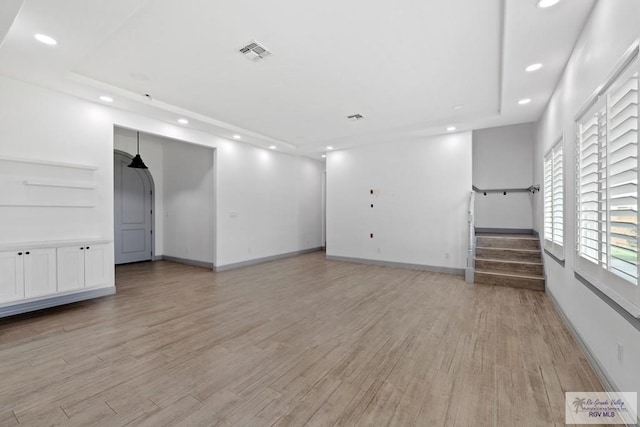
<point x="622" y="291"/>
<point x="551" y="245"/>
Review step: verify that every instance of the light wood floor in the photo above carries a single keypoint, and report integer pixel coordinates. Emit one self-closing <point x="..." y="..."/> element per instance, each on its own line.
<point x="301" y="341"/>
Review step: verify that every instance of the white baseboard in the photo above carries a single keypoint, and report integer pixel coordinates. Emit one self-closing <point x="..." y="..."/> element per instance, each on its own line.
<point x="607" y="383"/>
<point x="265" y="259"/>
<point x="187" y="261"/>
<point x="433" y="268"/>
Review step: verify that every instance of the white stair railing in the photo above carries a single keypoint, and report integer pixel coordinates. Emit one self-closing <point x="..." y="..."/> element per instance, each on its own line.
<point x="471" y="248"/>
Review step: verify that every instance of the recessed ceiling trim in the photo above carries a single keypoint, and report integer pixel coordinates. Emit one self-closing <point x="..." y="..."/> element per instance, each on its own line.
<point x="178" y="111"/>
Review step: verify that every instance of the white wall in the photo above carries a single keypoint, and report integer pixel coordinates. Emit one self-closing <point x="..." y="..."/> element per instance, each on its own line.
<point x="261" y="185"/>
<point x="188" y="201"/>
<point x="274" y="207"/>
<point x="611" y="29"/>
<point x="421" y="193"/>
<point x="502" y="158"/>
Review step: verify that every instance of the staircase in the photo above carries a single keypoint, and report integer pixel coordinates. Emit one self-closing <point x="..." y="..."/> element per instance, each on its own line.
<point x="512" y="260"/>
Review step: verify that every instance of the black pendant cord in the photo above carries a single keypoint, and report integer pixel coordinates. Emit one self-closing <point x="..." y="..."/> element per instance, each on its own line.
<point x="136" y="162"/>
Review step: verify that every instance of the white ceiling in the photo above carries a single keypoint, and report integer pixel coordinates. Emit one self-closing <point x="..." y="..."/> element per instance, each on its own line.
<point x="403" y="64"/>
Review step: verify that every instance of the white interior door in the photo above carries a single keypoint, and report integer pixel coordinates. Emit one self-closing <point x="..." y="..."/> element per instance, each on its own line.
<point x="132" y="204"/>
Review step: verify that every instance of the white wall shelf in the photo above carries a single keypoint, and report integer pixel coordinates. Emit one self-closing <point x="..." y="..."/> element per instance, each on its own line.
<point x="45" y="184"/>
<point x="61" y="184"/>
<point x="47" y="163"/>
<point x="43" y="205"/>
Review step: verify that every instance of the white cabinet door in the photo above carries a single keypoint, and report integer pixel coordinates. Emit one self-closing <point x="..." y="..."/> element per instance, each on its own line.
<point x="70" y="268"/>
<point x="96" y="271"/>
<point x="11" y="276"/>
<point x="39" y="272"/>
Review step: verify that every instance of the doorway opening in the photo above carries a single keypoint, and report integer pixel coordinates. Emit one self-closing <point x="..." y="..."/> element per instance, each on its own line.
<point x="133" y="211"/>
<point x="181" y="209"/>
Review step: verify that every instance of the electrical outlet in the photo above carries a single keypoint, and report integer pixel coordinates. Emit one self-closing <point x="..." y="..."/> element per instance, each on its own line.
<point x="446" y="255"/>
<point x="620" y="353"/>
<point x="378" y="250"/>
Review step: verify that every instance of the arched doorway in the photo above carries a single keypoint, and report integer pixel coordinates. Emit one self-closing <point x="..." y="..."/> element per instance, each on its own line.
<point x="133" y="211"/>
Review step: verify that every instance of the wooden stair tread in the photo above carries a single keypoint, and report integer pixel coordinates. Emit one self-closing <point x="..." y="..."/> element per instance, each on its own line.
<point x="511" y="261"/>
<point x="508" y="249"/>
<point x="520" y="276"/>
<point x="508" y="236"/>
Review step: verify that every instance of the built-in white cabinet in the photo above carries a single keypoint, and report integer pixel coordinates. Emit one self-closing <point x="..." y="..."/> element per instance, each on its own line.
<point x="27" y="273"/>
<point x="11" y="276"/>
<point x="82" y="266"/>
<point x="96" y="265"/>
<point x="39" y="272"/>
<point x="70" y="268"/>
<point x="36" y="275"/>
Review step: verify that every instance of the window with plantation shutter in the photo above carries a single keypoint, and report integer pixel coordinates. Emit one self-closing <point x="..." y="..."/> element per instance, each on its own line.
<point x="622" y="222"/>
<point x="558" y="195"/>
<point x="607" y="186"/>
<point x="548" y="198"/>
<point x="554" y="200"/>
<point x="591" y="187"/>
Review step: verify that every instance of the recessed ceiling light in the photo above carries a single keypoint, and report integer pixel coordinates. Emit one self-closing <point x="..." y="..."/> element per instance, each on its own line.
<point x="323" y="156"/>
<point x="524" y="101"/>
<point x="533" y="67"/>
<point x="547" y="3"/>
<point x="451" y="128"/>
<point x="43" y="38"/>
<point x="237" y="137"/>
<point x="273" y="147"/>
<point x="457" y="107"/>
<point x="329" y="147"/>
<point x="105" y="98"/>
<point x="183" y="121"/>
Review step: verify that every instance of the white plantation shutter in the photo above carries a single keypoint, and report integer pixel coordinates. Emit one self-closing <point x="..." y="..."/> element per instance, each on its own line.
<point x="591" y="197"/>
<point x="558" y="196"/>
<point x="554" y="200"/>
<point x="607" y="181"/>
<point x="622" y="224"/>
<point x="548" y="197"/>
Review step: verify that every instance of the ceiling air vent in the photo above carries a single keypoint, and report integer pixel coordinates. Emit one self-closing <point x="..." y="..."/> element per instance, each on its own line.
<point x="355" y="117"/>
<point x="254" y="51"/>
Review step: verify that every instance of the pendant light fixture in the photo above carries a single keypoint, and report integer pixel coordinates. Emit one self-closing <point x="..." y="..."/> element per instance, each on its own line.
<point x="137" y="162"/>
